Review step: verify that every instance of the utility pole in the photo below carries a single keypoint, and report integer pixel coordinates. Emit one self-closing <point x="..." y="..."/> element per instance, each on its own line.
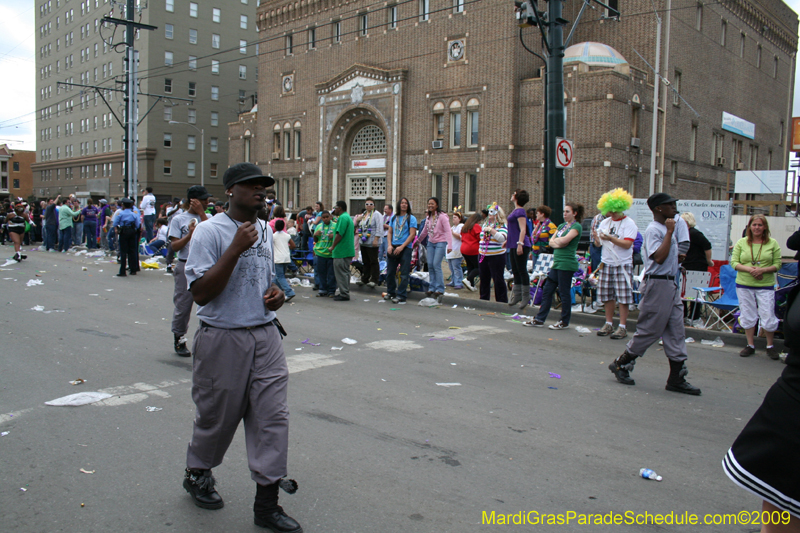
<point x="551" y="24"/>
<point x="130" y="140"/>
<point x="656" y="85"/>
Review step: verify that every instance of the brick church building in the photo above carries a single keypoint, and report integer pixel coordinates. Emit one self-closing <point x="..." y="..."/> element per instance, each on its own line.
<point x="439" y="98"/>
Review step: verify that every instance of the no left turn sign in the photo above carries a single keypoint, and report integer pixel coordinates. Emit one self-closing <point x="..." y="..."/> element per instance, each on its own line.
<point x="564" y="153"/>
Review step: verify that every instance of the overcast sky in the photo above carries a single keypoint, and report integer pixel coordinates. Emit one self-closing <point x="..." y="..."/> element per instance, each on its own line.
<point x="18" y="101"/>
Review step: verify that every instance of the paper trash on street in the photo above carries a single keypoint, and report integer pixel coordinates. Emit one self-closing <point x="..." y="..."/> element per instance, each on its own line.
<point x="80" y="398"/>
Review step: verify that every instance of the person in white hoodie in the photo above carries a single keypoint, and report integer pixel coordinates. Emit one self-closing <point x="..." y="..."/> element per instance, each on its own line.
<point x="453" y="256"/>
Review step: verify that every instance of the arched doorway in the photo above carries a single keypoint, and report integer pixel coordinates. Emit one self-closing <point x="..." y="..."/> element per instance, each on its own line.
<point x="365" y="162"/>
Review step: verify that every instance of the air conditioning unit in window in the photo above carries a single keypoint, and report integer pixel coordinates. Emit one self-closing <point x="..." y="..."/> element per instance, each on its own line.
<point x="437" y="145"/>
<point x="720" y="161"/>
<point x="739" y="166"/>
<point x="635" y="142"/>
<point x="276" y="155"/>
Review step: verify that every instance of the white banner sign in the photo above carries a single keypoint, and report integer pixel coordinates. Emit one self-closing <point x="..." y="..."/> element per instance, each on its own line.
<point x="713" y="219"/>
<point x="738" y="125"/>
<point x="362" y="164"/>
<point x="760" y="182"/>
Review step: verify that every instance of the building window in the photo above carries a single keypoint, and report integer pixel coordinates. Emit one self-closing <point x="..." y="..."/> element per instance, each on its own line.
<point x="288" y="44"/>
<point x="276" y="142"/>
<point x="192" y="62"/>
<point x="363" y="24"/>
<point x="436" y="188"/>
<point x="243" y="22"/>
<point x="167" y="167"/>
<point x="215" y="14"/>
<point x="214" y="66"/>
<point x="632" y="184"/>
<point x="392" y="13"/>
<point x="780" y="138"/>
<point x="192" y="116"/>
<point x="242" y="72"/>
<point x="742" y="44"/>
<point x="167" y="85"/>
<point x="215" y="40"/>
<point x="471" y="199"/>
<point x="16" y="181"/>
<point x="214" y="118"/>
<point x="424" y="10"/>
<point x="169" y="31"/>
<point x="247" y="149"/>
<point x="775" y="67"/>
<point x="717" y="144"/>
<point x="676" y="88"/>
<point x="472" y="122"/>
<point x="673" y="175"/>
<point x="455" y="124"/>
<point x="438" y="127"/>
<point x="724" y="33"/>
<point x="191" y="142"/>
<point x="167" y="141"/>
<point x="167" y="114"/>
<point x="214" y="93"/>
<point x="192" y="89"/>
<point x="286" y="145"/>
<point x="242" y="46"/>
<point x="190" y="172"/>
<point x="337" y="31"/>
<point x="170" y="6"/>
<point x="769" y="160"/>
<point x="454" y="192"/>
<point x="212" y="172"/>
<point x="370" y="140"/>
<point x="698" y="18"/>
<point x="693" y="144"/>
<point x="312" y="38"/>
<point x="758" y="57"/>
<point x="192" y="36"/>
<point x="193" y="9"/>
<point x="753" y="157"/>
<point x="167" y="59"/>
<point x="297" y="144"/>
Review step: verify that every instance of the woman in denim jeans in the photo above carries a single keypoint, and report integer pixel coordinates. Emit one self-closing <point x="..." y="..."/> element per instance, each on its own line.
<point x="436" y="227"/>
<point x="401" y="233"/>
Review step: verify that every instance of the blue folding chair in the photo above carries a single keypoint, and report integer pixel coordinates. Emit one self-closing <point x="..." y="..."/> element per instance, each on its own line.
<point x="787" y="274"/>
<point x="726" y="305"/>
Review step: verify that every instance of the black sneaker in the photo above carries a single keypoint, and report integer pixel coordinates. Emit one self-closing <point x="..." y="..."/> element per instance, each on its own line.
<point x="200" y="486"/>
<point x="277" y="521"/>
<point x="400" y="301"/>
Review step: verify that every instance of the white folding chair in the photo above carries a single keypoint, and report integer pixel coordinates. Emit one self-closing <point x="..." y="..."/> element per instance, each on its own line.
<point x="693" y="280"/>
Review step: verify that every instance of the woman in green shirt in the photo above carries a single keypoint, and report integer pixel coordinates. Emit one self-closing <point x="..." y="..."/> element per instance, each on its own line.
<point x="565" y="244"/>
<point x="756" y="258"/>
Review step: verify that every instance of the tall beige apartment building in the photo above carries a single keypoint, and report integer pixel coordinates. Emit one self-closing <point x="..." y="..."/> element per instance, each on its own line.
<point x="204" y="51"/>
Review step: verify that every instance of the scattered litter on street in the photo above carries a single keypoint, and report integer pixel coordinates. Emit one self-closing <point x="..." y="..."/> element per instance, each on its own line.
<point x="554" y="388"/>
<point x="336" y="347"/>
<point x="582" y="330"/>
<point x="37" y="308"/>
<point x="449" y="384"/>
<point x="307" y="341"/>
<point x="554" y="375"/>
<point x="469" y="308"/>
<point x="151" y="409"/>
<point x="442" y="339"/>
<point x="80" y="398"/>
<point x="454" y="364"/>
<point x="297" y="349"/>
<point x="428" y="302"/>
<point x="87" y="471"/>
<point x="716" y="343"/>
<point x="32" y="282"/>
<point x="455" y="306"/>
<point x="23" y="489"/>
<point x="141" y="323"/>
<point x="4" y="433"/>
<point x="78" y="381"/>
<point x="394" y="309"/>
<point x="454" y="327"/>
<point x="689" y="340"/>
<point x="381" y="301"/>
<point x="452" y="294"/>
<point x="649" y="474"/>
<point x="84" y="269"/>
<point x="348" y="340"/>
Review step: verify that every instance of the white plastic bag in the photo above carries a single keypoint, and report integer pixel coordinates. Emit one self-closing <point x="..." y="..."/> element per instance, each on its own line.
<point x="428" y="302"/>
<point x="80" y="398"/>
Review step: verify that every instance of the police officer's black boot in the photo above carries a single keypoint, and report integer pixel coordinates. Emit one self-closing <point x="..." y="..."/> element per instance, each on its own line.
<point x="180" y="346"/>
<point x="200" y="486"/>
<point x="622" y="367"/>
<point x="268" y="514"/>
<point x="676" y="382"/>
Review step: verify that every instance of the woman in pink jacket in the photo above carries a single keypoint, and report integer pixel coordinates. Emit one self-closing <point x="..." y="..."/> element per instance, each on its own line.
<point x="436" y="227"/>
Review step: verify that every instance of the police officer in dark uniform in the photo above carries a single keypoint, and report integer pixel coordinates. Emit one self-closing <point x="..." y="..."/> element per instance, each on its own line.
<point x="127" y="226"/>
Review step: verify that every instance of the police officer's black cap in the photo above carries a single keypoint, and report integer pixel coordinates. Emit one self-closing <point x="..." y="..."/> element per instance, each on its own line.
<point x="244" y="172"/>
<point x="126" y="201"/>
<point x="658" y="199"/>
<point x="197" y="191"/>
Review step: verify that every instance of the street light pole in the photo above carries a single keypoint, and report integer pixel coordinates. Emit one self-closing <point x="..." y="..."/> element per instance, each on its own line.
<point x="202" y="149"/>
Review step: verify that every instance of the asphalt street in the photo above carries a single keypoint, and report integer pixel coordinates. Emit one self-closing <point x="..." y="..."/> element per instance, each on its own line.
<point x="378" y="444"/>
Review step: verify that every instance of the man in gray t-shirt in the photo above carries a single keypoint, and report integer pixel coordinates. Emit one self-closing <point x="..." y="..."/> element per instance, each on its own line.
<point x="239" y="369"/>
<point x="661" y="308"/>
<point x="179" y="234"/>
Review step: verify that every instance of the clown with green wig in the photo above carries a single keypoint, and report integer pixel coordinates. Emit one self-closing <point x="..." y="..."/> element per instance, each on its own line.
<point x="615" y="235"/>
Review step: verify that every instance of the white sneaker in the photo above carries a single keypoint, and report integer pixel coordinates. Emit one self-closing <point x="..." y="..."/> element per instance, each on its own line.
<point x="468" y="285"/>
<point x="558" y="325"/>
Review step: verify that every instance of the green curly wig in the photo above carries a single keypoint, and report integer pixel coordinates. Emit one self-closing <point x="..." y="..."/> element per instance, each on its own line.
<point x="615" y="201"/>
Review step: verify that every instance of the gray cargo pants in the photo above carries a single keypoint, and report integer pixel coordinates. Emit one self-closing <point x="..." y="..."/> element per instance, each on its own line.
<point x="341" y="269"/>
<point x="182" y="299"/>
<point x="240" y="374"/>
<point x="660" y="315"/>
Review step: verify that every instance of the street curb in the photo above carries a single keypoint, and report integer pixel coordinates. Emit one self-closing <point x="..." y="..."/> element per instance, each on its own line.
<point x="590" y="321"/>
